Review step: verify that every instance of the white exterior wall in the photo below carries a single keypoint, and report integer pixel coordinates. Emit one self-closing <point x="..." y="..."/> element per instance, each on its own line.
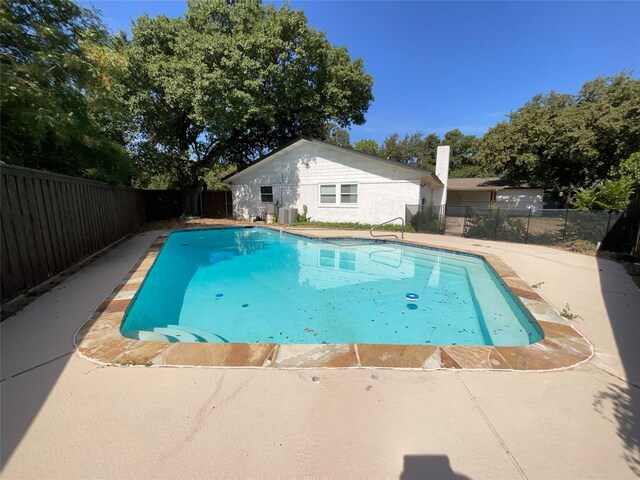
<point x="520" y="198"/>
<point x="470" y="198"/>
<point x="383" y="189"/>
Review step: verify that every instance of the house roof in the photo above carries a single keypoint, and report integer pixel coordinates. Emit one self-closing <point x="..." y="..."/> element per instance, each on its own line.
<point x="315" y="141"/>
<point x="482" y="184"/>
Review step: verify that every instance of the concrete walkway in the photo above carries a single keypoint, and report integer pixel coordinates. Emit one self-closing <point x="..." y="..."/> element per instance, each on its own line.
<point x="65" y="417"/>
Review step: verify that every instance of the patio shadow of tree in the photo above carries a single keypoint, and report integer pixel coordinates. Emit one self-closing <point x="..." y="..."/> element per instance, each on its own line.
<point x="621" y="401"/>
<point x="622" y="300"/>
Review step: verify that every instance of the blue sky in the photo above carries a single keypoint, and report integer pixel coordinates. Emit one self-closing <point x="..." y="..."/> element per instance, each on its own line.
<point x="443" y="65"/>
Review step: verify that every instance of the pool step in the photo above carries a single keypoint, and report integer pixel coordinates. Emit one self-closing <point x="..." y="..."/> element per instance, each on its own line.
<point x="174" y="333"/>
<point x="179" y="334"/>
<point x="206" y="336"/>
<point x="148" y="336"/>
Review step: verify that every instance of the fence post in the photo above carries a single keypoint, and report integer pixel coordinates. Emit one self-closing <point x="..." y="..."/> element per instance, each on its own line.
<point x="608" y="223"/>
<point x="464" y="226"/>
<point x="566" y="218"/>
<point x="526" y="234"/>
<point x="495" y="232"/>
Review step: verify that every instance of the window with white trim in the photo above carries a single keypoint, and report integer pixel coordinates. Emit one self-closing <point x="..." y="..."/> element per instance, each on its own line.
<point x="327" y="194"/>
<point x="339" y="194"/>
<point x="266" y="194"/>
<point x="348" y="193"/>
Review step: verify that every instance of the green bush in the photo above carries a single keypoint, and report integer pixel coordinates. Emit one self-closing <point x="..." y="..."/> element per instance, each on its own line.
<point x="427" y="220"/>
<point x="354" y="226"/>
<point x="303" y="217"/>
<point x="609" y="195"/>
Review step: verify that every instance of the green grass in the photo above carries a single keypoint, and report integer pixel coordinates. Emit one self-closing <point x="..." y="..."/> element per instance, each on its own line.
<point x="354" y="226"/>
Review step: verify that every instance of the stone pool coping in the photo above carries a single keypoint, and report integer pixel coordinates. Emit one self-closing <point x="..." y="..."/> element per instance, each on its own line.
<point x="99" y="339"/>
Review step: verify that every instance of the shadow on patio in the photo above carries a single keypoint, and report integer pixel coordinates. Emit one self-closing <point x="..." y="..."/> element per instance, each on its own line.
<point x="424" y="467"/>
<point x="37" y="343"/>
<point x="622" y="301"/>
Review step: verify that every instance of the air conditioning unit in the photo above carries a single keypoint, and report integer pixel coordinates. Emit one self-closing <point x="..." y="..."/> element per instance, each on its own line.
<point x="287" y="216"/>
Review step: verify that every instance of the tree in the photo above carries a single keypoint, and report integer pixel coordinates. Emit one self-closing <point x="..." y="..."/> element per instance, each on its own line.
<point x="566" y="141"/>
<point x="367" y="146"/>
<point x="629" y="168"/>
<point x="411" y="149"/>
<point x="430" y="145"/>
<point x="59" y="99"/>
<point x="615" y="192"/>
<point x="612" y="194"/>
<point x="463" y="150"/>
<point x="336" y="135"/>
<point x="229" y="81"/>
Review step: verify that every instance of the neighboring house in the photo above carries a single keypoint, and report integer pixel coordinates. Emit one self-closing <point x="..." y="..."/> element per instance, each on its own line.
<point x="336" y="184"/>
<point x="481" y="192"/>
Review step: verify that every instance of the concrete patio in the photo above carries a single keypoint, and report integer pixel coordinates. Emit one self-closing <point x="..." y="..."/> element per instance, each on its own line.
<point x="66" y="417"/>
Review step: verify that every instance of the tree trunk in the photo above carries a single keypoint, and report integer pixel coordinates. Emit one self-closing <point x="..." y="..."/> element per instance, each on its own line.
<point x="190" y="199"/>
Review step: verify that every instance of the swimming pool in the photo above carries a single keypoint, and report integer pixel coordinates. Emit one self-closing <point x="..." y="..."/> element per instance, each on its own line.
<point x="247" y="285"/>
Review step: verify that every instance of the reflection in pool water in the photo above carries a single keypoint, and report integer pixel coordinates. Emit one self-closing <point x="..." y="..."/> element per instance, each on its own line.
<point x="259" y="285"/>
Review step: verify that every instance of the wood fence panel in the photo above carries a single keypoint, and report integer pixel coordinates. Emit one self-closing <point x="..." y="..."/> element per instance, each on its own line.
<point x="19" y="230"/>
<point x="16" y="276"/>
<point x="29" y="230"/>
<point x="217" y="204"/>
<point x="53" y="203"/>
<point x="8" y="281"/>
<point x="51" y="221"/>
<point x="43" y="235"/>
<point x="36" y="228"/>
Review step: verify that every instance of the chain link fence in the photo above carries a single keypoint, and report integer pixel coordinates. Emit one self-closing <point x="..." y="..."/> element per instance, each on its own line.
<point x="542" y="226"/>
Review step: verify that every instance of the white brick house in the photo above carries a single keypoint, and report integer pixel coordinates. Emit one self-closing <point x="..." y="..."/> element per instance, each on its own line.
<point x="336" y="184"/>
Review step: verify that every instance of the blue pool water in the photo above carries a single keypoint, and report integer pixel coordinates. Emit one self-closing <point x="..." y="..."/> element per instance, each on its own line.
<point x="258" y="285"/>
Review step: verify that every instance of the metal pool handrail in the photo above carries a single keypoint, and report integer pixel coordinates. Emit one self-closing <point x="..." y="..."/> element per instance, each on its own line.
<point x="387" y="234"/>
<point x="371" y="257"/>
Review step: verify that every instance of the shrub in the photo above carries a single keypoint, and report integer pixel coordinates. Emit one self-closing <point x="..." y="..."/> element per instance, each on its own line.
<point x="302" y="217"/>
<point x="427" y="220"/>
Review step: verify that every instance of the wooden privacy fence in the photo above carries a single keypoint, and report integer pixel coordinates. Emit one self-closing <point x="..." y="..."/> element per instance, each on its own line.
<point x="216" y="204"/>
<point x="163" y="204"/>
<point x="50" y="222"/>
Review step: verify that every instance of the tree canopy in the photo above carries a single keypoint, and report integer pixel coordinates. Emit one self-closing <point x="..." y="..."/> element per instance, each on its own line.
<point x="61" y="107"/>
<point x="229" y="81"/>
<point x="190" y="97"/>
<point x="336" y="135"/>
<point x="567" y="141"/>
<point x="367" y="146"/>
<point x="616" y="191"/>
<point x="413" y="149"/>
<point x="420" y="150"/>
<point x="462" y="162"/>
